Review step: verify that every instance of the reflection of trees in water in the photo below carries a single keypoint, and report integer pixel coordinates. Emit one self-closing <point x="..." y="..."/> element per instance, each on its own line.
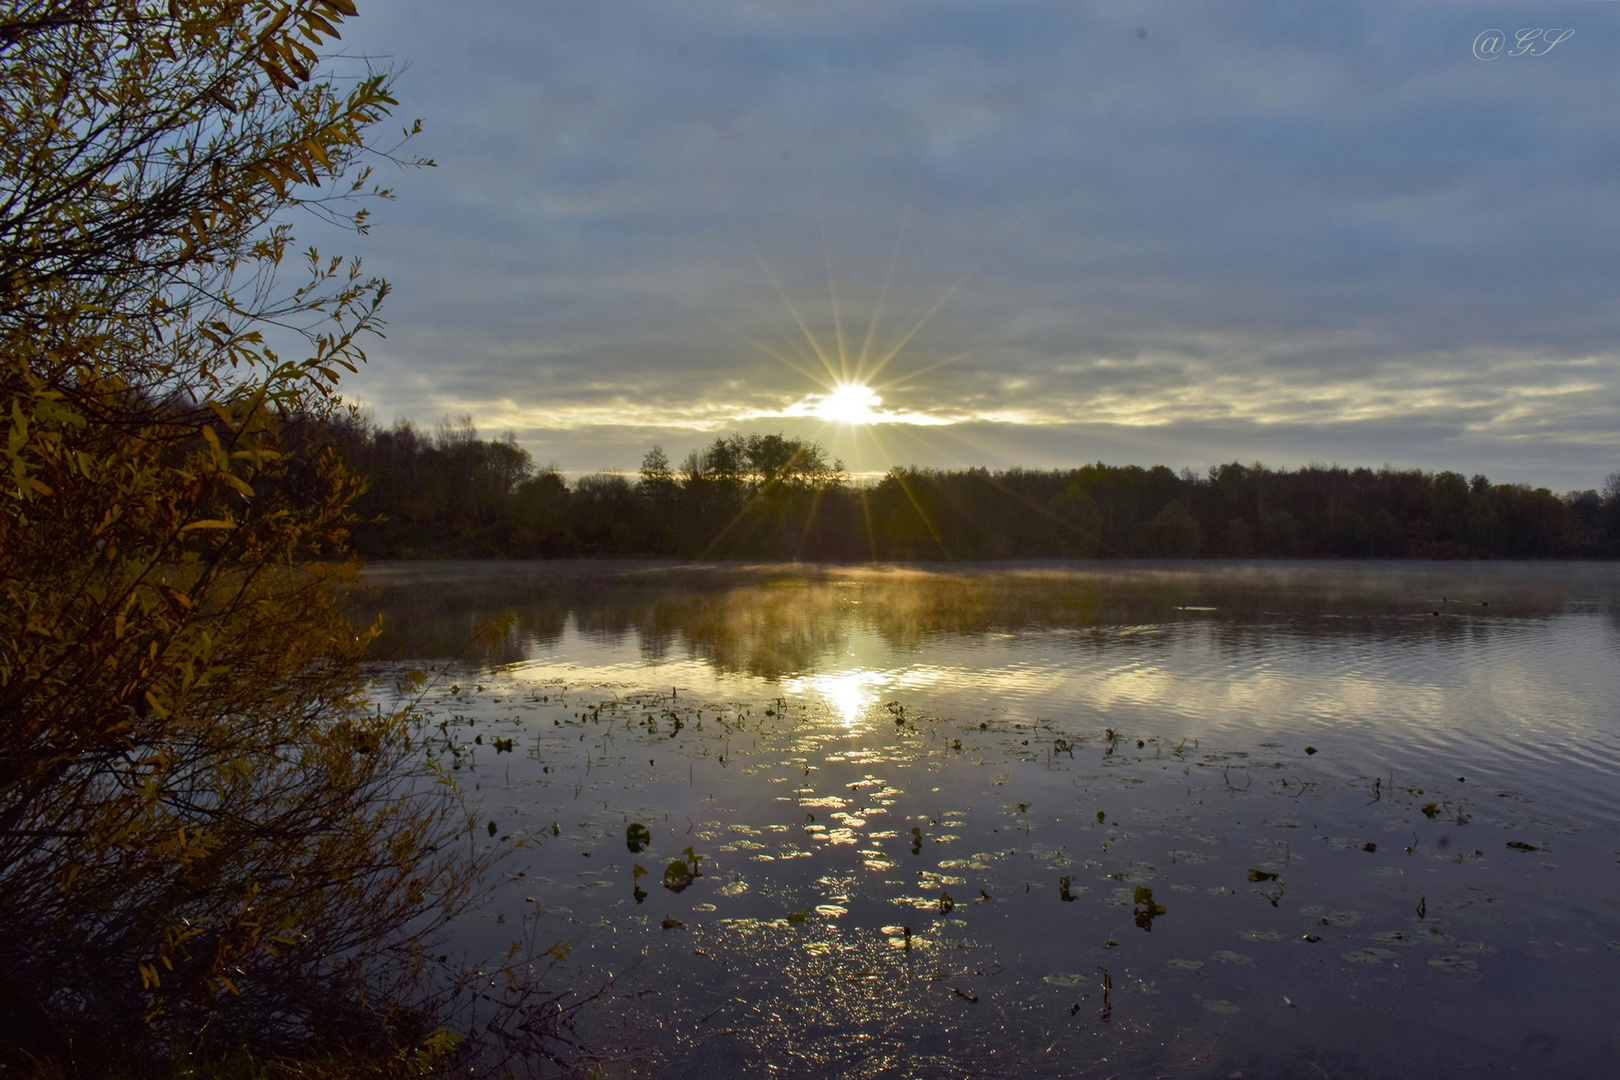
<point x="776" y="620"/>
<point x="759" y="630"/>
<point x="427" y="615"/>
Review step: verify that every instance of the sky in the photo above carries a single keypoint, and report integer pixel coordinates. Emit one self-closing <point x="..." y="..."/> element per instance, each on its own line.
<point x="987" y="232"/>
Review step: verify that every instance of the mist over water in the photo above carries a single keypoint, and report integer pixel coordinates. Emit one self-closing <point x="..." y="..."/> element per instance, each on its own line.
<point x="934" y="813"/>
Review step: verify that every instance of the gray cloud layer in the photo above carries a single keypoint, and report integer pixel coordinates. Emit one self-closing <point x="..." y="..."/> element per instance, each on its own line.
<point x="1175" y="233"/>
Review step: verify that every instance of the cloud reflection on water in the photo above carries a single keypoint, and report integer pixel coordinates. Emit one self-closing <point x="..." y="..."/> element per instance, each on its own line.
<point x="1355" y="650"/>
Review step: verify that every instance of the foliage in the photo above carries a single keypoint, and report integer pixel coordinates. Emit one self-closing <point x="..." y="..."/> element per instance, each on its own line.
<point x="775" y="497"/>
<point x="455" y="494"/>
<point x="206" y="837"/>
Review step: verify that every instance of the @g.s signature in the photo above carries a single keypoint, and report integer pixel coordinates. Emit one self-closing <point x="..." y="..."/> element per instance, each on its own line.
<point x="1490" y="43"/>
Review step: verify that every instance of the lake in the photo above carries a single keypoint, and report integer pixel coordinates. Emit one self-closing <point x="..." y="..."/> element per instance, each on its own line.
<point x="1099" y="820"/>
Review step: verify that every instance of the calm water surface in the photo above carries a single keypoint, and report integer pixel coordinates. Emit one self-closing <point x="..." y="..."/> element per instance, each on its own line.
<point x="1087" y="820"/>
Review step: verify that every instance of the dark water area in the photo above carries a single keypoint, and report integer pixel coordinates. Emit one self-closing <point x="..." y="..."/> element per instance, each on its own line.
<point x="1095" y="820"/>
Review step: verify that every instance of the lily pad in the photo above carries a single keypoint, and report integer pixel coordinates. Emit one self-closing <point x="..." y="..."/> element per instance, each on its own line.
<point x="1453" y="963"/>
<point x="677" y="875"/>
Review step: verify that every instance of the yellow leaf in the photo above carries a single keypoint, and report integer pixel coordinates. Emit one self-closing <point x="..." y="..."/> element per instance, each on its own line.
<point x="315" y="20"/>
<point x="212" y="440"/>
<point x="238" y="483"/>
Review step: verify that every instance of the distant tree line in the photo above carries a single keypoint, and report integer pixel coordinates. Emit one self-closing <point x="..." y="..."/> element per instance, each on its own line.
<point x="452" y="494"/>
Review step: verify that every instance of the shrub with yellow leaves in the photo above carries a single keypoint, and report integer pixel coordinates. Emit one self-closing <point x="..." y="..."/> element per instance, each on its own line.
<point x="208" y="836"/>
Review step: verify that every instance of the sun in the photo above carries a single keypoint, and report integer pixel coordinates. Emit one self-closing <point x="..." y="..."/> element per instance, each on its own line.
<point x="850" y="403"/>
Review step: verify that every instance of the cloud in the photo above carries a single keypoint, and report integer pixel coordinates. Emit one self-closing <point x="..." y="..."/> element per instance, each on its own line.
<point x="1311" y="232"/>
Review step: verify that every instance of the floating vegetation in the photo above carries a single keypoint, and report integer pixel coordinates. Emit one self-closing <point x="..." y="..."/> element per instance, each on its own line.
<point x="680" y="873"/>
<point x="677" y="876"/>
<point x="901" y="937"/>
<point x="1454" y="963"/>
<point x="636" y="874"/>
<point x="1146" y="908"/>
<point x="752" y="926"/>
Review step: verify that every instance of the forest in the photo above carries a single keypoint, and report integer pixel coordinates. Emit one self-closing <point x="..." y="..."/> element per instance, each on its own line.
<point x="452" y="494"/>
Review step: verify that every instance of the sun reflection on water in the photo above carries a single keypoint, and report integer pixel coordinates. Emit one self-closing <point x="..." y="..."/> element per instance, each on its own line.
<point x="847" y="693"/>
